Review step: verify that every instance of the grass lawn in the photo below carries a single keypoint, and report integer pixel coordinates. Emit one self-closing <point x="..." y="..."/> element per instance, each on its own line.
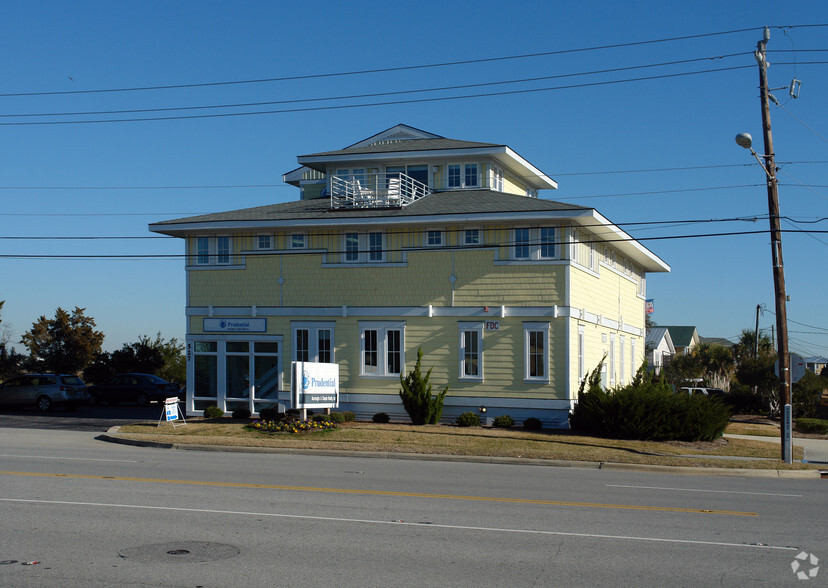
<point x="477" y="441"/>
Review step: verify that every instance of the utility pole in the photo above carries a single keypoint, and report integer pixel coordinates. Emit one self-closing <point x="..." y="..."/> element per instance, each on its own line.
<point x="776" y="253"/>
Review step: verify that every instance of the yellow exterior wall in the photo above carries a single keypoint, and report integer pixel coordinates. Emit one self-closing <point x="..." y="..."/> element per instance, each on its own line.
<point x="439" y="337"/>
<point x="612" y="297"/>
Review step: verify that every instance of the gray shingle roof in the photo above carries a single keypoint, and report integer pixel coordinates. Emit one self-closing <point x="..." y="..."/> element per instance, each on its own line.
<point x="439" y="203"/>
<point x="408" y="145"/>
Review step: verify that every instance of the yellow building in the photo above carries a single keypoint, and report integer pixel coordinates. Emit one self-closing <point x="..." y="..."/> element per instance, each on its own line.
<point x="409" y="240"/>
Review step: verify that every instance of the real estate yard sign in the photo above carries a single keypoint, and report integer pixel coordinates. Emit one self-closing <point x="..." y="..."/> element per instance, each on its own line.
<point x="314" y="385"/>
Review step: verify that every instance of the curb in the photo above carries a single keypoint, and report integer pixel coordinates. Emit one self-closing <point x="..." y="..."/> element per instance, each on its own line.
<point x="111" y="436"/>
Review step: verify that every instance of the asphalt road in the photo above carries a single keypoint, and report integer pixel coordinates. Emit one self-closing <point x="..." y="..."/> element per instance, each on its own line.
<point x="98" y="514"/>
<point x="83" y="418"/>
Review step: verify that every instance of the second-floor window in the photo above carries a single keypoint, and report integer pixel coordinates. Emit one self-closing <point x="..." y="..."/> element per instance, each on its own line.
<point x="298" y="241"/>
<point x="364" y="247"/>
<point x="213" y="251"/>
<point x="222" y="250"/>
<point x="435" y="238"/>
<point x="534" y="244"/>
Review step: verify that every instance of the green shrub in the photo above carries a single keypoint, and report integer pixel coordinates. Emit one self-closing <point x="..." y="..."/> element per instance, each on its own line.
<point x="421" y="406"/>
<point x="504" y="421"/>
<point x="241" y="413"/>
<point x="532" y="424"/>
<point x="349" y="416"/>
<point x="818" y="426"/>
<point x="381" y="417"/>
<point x="271" y="413"/>
<point x="468" y="419"/>
<point x="213" y="412"/>
<point x="336" y="417"/>
<point x="321" y="418"/>
<point x="647" y="409"/>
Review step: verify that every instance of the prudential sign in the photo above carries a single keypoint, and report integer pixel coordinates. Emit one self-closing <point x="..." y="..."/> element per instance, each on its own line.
<point x="315" y="385"/>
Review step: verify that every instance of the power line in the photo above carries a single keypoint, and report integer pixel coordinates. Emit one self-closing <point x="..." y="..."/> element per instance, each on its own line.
<point x="409" y="232"/>
<point x="507" y="244"/>
<point x="373" y="94"/>
<point x="390" y="69"/>
<point x="372" y="104"/>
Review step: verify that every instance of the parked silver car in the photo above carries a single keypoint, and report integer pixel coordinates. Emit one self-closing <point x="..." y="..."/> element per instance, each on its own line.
<point x="44" y="391"/>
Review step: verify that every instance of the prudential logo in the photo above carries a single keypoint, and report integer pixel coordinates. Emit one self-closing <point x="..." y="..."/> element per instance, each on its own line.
<point x="305" y="380"/>
<point x="805" y="566"/>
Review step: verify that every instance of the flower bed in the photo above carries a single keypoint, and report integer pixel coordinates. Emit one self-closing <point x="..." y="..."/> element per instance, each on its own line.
<point x="290" y="427"/>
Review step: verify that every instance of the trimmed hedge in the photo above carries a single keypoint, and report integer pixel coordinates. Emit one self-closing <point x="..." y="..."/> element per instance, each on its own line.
<point x="468" y="419"/>
<point x="533" y="424"/>
<point x="381" y="417"/>
<point x="818" y="426"/>
<point x="241" y="413"/>
<point x="504" y="421"/>
<point x="649" y="411"/>
<point x="213" y="412"/>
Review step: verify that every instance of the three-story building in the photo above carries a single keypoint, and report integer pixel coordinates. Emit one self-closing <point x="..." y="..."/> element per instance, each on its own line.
<point x="409" y="240"/>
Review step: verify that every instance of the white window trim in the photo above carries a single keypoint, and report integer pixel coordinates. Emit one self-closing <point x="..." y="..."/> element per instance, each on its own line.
<point x="462" y="165"/>
<point x="612" y="360"/>
<point x="480" y="239"/>
<point x="313" y="329"/>
<point x="363" y="247"/>
<point x="532" y="327"/>
<point x="382" y="328"/>
<point x="198" y="253"/>
<point x="258" y="245"/>
<point x="581" y="353"/>
<point x="476" y="327"/>
<point x="534" y="244"/>
<point x="229" y="250"/>
<point x="440" y="232"/>
<point x="622" y="361"/>
<point x="291" y="244"/>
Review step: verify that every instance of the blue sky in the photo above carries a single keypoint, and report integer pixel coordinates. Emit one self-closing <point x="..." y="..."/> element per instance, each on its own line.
<point x="110" y="180"/>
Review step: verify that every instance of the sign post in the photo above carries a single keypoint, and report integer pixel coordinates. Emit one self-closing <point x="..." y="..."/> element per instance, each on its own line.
<point x="171" y="413"/>
<point x="314" y="385"/>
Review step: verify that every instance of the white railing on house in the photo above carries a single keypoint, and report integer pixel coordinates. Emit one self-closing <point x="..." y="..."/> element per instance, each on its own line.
<point x="376" y="190"/>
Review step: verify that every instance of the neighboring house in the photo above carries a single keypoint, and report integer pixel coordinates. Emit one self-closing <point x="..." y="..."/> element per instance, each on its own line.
<point x="660" y="349"/>
<point x="685" y="339"/>
<point x="717" y="341"/>
<point x="800" y="365"/>
<point x="409" y="240"/>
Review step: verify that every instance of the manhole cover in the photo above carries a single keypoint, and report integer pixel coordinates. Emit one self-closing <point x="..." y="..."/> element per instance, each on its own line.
<point x="180" y="552"/>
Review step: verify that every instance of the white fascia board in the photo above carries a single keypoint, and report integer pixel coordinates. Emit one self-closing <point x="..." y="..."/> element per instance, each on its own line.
<point x="189" y="229"/>
<point x="532" y="174"/>
<point x="626" y="244"/>
<point x="502" y="154"/>
<point x="295" y="176"/>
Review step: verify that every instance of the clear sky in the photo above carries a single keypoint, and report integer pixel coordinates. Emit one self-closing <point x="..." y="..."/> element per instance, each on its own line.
<point x="651" y="148"/>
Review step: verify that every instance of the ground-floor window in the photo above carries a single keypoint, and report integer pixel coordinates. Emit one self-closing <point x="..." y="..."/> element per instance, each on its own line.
<point x="382" y="348"/>
<point x="313" y="341"/>
<point x="234" y="373"/>
<point x="471" y="351"/>
<point x="536" y="351"/>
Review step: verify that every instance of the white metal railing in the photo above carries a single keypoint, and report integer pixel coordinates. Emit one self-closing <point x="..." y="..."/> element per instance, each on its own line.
<point x="376" y="190"/>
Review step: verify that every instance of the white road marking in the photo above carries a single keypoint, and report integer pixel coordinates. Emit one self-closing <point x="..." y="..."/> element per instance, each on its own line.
<point x="69" y="458"/>
<point x="699" y="490"/>
<point x="376" y="522"/>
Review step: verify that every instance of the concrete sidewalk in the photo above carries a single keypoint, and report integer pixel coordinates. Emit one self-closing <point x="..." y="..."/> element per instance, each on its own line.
<point x="816" y="450"/>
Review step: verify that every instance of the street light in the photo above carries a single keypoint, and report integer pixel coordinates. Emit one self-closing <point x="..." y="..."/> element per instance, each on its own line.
<point x="745" y="140"/>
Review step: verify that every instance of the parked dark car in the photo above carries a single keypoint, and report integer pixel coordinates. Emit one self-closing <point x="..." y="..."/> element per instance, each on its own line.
<point x="44" y="391"/>
<point x="139" y="388"/>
